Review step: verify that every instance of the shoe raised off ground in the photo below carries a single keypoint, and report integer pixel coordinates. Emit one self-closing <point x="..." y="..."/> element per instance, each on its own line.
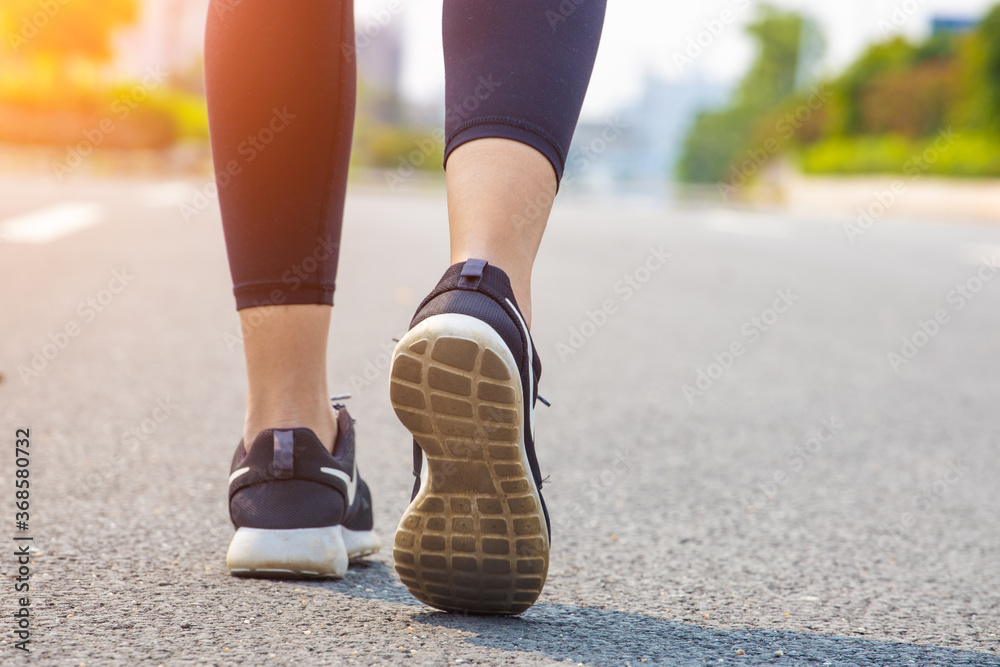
<point x="464" y="380"/>
<point x="299" y="511"/>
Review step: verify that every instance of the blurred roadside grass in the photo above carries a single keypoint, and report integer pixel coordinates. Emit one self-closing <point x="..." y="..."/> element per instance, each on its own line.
<point x="59" y="91"/>
<point x="48" y="102"/>
<point x="39" y="105"/>
<point x="396" y="148"/>
<point x="56" y="86"/>
<point x="968" y="155"/>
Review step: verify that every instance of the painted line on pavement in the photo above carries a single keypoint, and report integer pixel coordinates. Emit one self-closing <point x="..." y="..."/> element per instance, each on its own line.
<point x="48" y="224"/>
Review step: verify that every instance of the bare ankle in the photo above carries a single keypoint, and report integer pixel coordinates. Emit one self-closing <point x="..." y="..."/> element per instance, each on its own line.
<point x="321" y="420"/>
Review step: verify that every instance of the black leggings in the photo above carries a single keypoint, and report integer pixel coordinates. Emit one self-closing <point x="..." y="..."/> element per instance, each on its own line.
<point x="280" y="80"/>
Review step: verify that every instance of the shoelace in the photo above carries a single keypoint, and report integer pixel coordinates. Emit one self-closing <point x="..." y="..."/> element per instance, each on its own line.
<point x="337" y="406"/>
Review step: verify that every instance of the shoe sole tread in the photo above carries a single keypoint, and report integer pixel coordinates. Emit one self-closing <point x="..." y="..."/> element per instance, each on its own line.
<point x="474" y="539"/>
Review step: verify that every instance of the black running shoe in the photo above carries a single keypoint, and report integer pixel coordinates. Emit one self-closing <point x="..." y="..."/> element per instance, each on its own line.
<point x="475" y="537"/>
<point x="298" y="510"/>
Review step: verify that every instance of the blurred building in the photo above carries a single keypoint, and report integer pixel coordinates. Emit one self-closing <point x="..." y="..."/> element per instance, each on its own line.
<point x="635" y="149"/>
<point x="951" y="24"/>
<point x="169" y="35"/>
<point x="379" y="49"/>
<point x="380" y="55"/>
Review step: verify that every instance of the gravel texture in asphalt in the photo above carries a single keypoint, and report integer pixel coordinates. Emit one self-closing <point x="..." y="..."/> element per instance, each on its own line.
<point x="766" y="445"/>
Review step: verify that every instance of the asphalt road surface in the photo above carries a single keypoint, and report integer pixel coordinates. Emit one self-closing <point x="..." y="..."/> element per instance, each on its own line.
<point x="766" y="445"/>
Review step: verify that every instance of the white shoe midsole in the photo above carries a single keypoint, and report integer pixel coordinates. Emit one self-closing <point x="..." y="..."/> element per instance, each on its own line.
<point x="360" y="542"/>
<point x="310" y="551"/>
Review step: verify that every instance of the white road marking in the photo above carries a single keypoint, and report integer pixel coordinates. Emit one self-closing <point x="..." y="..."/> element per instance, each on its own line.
<point x="166" y="195"/>
<point x="743" y="224"/>
<point x="50" y="223"/>
<point x="975" y="253"/>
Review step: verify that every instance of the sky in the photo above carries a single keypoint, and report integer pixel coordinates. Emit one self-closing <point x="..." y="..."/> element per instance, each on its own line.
<point x="646" y="36"/>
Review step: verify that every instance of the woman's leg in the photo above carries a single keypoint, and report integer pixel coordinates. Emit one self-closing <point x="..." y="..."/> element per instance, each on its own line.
<point x="464" y="378"/>
<point x="500" y="193"/>
<point x="516" y="75"/>
<point x="280" y="81"/>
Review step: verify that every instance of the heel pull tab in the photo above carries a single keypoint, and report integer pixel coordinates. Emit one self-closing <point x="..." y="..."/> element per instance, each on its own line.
<point x="472" y="273"/>
<point x="284" y="454"/>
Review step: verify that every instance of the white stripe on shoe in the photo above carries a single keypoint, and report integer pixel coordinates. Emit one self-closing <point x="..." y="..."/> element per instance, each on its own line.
<point x="350" y="480"/>
<point x="531" y="370"/>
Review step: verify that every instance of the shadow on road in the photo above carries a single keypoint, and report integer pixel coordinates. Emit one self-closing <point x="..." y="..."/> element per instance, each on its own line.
<point x="595" y="636"/>
<point x="605" y="637"/>
<point x="368" y="579"/>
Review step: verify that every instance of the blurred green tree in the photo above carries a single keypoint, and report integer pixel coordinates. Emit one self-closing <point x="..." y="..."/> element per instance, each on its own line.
<point x="892" y="103"/>
<point x="882" y="59"/>
<point x="988" y="37"/>
<point x="979" y="58"/>
<point x="780" y="38"/>
<point x="717" y="138"/>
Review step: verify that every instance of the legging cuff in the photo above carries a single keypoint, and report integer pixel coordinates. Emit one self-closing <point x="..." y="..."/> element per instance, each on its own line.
<point x="282" y="293"/>
<point x="503" y="127"/>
